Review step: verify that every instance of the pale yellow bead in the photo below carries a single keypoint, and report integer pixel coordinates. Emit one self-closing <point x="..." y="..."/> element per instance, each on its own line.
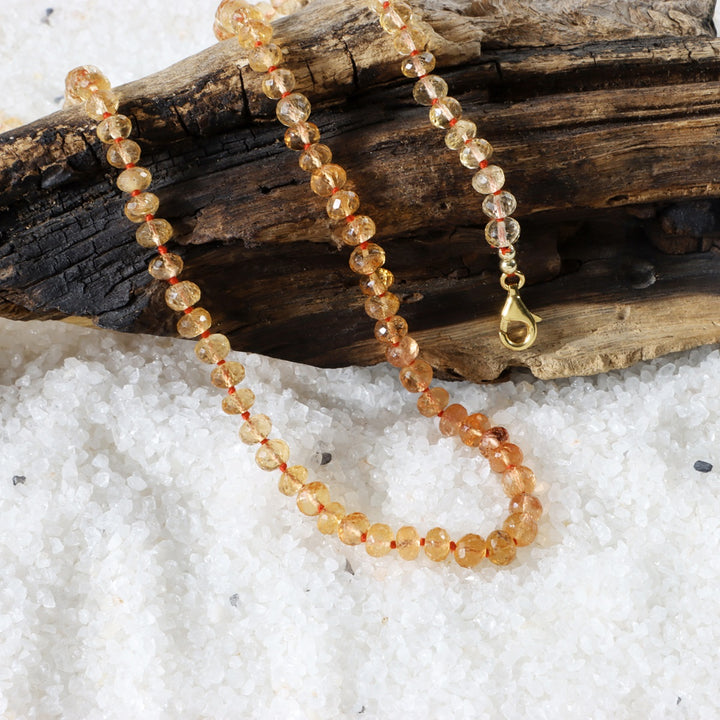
<point x="182" y="295"/>
<point x="429" y="89"/>
<point x="329" y="519"/>
<point x="293" y="108"/>
<point x="213" y="348"/>
<point x="265" y="56"/>
<point x="278" y="82"/>
<point x="301" y="134"/>
<point x="123" y="153"/>
<point x="341" y="204"/>
<point x="418" y="65"/>
<point x="433" y="401"/>
<point x="459" y="134"/>
<point x="475" y="152"/>
<point x="407" y="542"/>
<point x="163" y="267"/>
<point x="234" y="14"/>
<point x="238" y="402"/>
<point x="500" y="204"/>
<point x="83" y="81"/>
<point x="137" y="208"/>
<point x="502" y="233"/>
<point x="444" y="111"/>
<point x="272" y="454"/>
<point x="255" y="31"/>
<point x="154" y="232"/>
<point x="227" y="374"/>
<point x="314" y="157"/>
<point x="488" y="180"/>
<point x="411" y="38"/>
<point x="101" y="103"/>
<point x="255" y="429"/>
<point x="134" y="178"/>
<point x="378" y="540"/>
<point x="194" y="323"/>
<point x="326" y="179"/>
<point x="360" y="229"/>
<point x="352" y="528"/>
<point x="312" y="498"/>
<point x="395" y="17"/>
<point x="292" y="480"/>
<point x="437" y="544"/>
<point x="114" y="127"/>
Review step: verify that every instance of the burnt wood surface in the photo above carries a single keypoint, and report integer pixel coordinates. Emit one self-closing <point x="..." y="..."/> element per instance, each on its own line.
<point x="605" y="117"/>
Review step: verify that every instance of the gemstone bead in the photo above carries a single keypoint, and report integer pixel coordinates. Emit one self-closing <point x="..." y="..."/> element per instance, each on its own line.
<point x="329" y="519"/>
<point x="391" y="330"/>
<point x="459" y="134"/>
<point x="417" y="376"/>
<point x="272" y="454"/>
<point x="473" y="429"/>
<point x="123" y="153"/>
<point x="501" y="549"/>
<point x="403" y="353"/>
<point x="444" y="111"/>
<point x="255" y="429"/>
<point x="500" y="204"/>
<point x="314" y="157"/>
<point x="228" y="374"/>
<point x="220" y="32"/>
<point x="353" y="528"/>
<point x="418" y="65"/>
<point x="429" y="89"/>
<point x="341" y="204"/>
<point x="278" y="82"/>
<point x="213" y="348"/>
<point x="407" y="542"/>
<point x="366" y="258"/>
<point x="521" y="527"/>
<point x="469" y="550"/>
<point x="292" y="480"/>
<point x="114" y="127"/>
<point x="452" y="417"/>
<point x="437" y="544"/>
<point x="83" y="81"/>
<point x="502" y="233"/>
<point x="292" y="108"/>
<point x="238" y="402"/>
<point x="164" y="267"/>
<point x="154" y="232"/>
<point x="265" y="56"/>
<point x="377" y="283"/>
<point x="312" y="498"/>
<point x="379" y="539"/>
<point x="358" y="230"/>
<point x="101" y="103"/>
<point x="395" y="17"/>
<point x="433" y="401"/>
<point x="194" y="323"/>
<point x="476" y="151"/>
<point x="139" y="207"/>
<point x="518" y="479"/>
<point x="492" y="439"/>
<point x="134" y="178"/>
<point x="326" y="179"/>
<point x="488" y="180"/>
<point x="504" y="456"/>
<point x="233" y="14"/>
<point x="382" y="306"/>
<point x="300" y="134"/>
<point x="182" y="295"/>
<point x="526" y="503"/>
<point x="254" y="31"/>
<point x="409" y="39"/>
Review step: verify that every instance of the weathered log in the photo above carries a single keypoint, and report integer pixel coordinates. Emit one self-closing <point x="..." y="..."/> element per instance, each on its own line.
<point x="606" y="125"/>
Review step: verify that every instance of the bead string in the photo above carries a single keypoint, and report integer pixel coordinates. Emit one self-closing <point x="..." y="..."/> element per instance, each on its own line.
<point x="89" y="85"/>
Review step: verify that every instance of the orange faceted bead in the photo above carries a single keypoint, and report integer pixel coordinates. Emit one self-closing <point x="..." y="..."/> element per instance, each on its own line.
<point x="182" y="295"/>
<point x="526" y="503"/>
<point x="437" y="544"/>
<point x="238" y="402"/>
<point x="379" y="540"/>
<point x="521" y="527"/>
<point x="501" y="549"/>
<point x="153" y="233"/>
<point x="212" y="348"/>
<point x="518" y="479"/>
<point x="366" y="258"/>
<point x="470" y="550"/>
<point x="329" y="519"/>
<point x="492" y="439"/>
<point x="314" y="157"/>
<point x="504" y="456"/>
<point x="407" y="542"/>
<point x="433" y="401"/>
<point x="417" y="376"/>
<point x="403" y="353"/>
<point x="228" y="374"/>
<point x="326" y="179"/>
<point x="272" y="454"/>
<point x="358" y="230"/>
<point x="382" y="306"/>
<point x="377" y="283"/>
<point x="137" y="208"/>
<point x="194" y="323"/>
<point x="83" y="81"/>
<point x="292" y="480"/>
<point x="451" y="419"/>
<point x="353" y="528"/>
<point x="391" y="330"/>
<point x="166" y="266"/>
<point x="300" y="134"/>
<point x="312" y="498"/>
<point x="341" y="204"/>
<point x="472" y="430"/>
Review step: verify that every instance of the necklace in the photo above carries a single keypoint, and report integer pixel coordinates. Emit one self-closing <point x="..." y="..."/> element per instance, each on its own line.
<point x="367" y="259"/>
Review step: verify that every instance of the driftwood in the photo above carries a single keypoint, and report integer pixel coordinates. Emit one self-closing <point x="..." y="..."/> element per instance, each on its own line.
<point x="606" y="124"/>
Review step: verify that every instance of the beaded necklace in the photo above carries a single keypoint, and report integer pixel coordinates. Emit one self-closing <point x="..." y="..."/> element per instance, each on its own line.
<point x="327" y="179"/>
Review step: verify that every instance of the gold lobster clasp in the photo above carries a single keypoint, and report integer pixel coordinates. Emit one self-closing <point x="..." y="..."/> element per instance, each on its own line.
<point x="518" y="326"/>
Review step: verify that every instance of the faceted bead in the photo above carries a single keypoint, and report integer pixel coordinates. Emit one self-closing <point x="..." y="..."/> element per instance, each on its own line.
<point x="501" y="549"/>
<point x="233" y="14"/>
<point x="409" y="39"/>
<point x="154" y="232"/>
<point x="326" y="179"/>
<point x="460" y="133"/>
<point x="358" y="230"/>
<point x="293" y="108"/>
<point x="521" y="527"/>
<point x="499" y="205"/>
<point x="114" y="127"/>
<point x="238" y="402"/>
<point x="377" y="283"/>
<point x="437" y="544"/>
<point x="379" y="539"/>
<point x="502" y="233"/>
<point x="194" y="323"/>
<point x="391" y="330"/>
<point x="262" y="57"/>
<point x="418" y="65"/>
<point x="444" y="111"/>
<point x="255" y="31"/>
<point x="278" y="82"/>
<point x="213" y="348"/>
<point x="452" y="418"/>
<point x="220" y="32"/>
<point x="492" y="439"/>
<point x="163" y="267"/>
<point x="312" y="498"/>
<point x="488" y="180"/>
<point x="292" y="480"/>
<point x="429" y="89"/>
<point x="475" y="152"/>
<point x="377" y="5"/>
<point x="417" y="376"/>
<point x="518" y="479"/>
<point x="433" y="401"/>
<point x="504" y="456"/>
<point x="382" y="306"/>
<point x="139" y="207"/>
<point x="255" y="429"/>
<point x="470" y="550"/>
<point x="407" y="542"/>
<point x="367" y="258"/>
<point x="300" y="134"/>
<point x="123" y="153"/>
<point x="182" y="295"/>
<point x="134" y="178"/>
<point x="395" y="17"/>
<point x="272" y="454"/>
<point x="353" y="527"/>
<point x="526" y="503"/>
<point x="83" y="81"/>
<point x="341" y="204"/>
<point x="473" y="429"/>
<point x="329" y="519"/>
<point x="314" y="157"/>
<point x="228" y="374"/>
<point x="101" y="103"/>
<point x="403" y="353"/>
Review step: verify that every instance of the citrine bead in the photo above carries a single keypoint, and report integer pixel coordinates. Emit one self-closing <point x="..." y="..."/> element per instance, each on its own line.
<point x="83" y="81"/>
<point x="265" y="56"/>
<point x="228" y="374"/>
<point x="378" y="5"/>
<point x="233" y="14"/>
<point x="326" y="179"/>
<point x="429" y="89"/>
<point x="444" y="112"/>
<point x="255" y="31"/>
<point x="101" y="103"/>
<point x="137" y="208"/>
<point x="341" y="204"/>
<point x="418" y="65"/>
<point x="407" y="542"/>
<point x="526" y="503"/>
<point x="314" y="157"/>
<point x="353" y="528"/>
<point x="488" y="180"/>
<point x="238" y="402"/>
<point x="300" y="134"/>
<point x="501" y="549"/>
<point x="379" y="540"/>
<point x="470" y="550"/>
<point x="329" y="519"/>
<point x="123" y="153"/>
<point x="220" y="32"/>
<point x="403" y="353"/>
<point x="395" y="17"/>
<point x="473" y="429"/>
<point x="452" y="418"/>
<point x="382" y="306"/>
<point x="518" y="479"/>
<point x="255" y="429"/>
<point x="492" y="439"/>
<point x="292" y="480"/>
<point x="211" y="349"/>
<point x="366" y="258"/>
<point x="154" y="232"/>
<point x="521" y="527"/>
<point x="272" y="454"/>
<point x="504" y="456"/>
<point x="358" y="230"/>
<point x="182" y="295"/>
<point x="377" y="283"/>
<point x="292" y="108"/>
<point x="112" y="128"/>
<point x="166" y="266"/>
<point x="459" y="134"/>
<point x="134" y="178"/>
<point x="433" y="401"/>
<point x="278" y="82"/>
<point x="416" y="376"/>
<point x="194" y="323"/>
<point x="391" y="330"/>
<point x="500" y="204"/>
<point x="502" y="233"/>
<point x="476" y="151"/>
<point x="437" y="544"/>
<point x="409" y="39"/>
<point x="312" y="498"/>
